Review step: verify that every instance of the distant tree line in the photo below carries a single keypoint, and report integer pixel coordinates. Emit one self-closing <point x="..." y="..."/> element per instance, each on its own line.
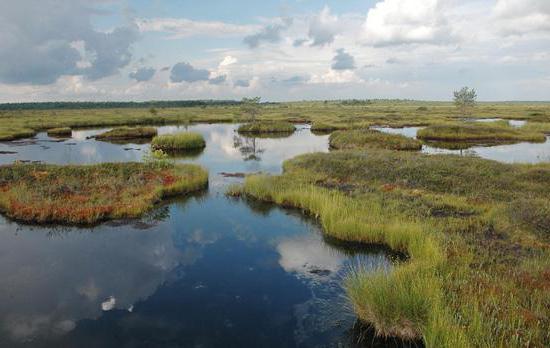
<point x="110" y="105"/>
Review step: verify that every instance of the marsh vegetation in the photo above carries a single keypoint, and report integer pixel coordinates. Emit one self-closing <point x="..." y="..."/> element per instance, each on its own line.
<point x="266" y="127"/>
<point x="475" y="231"/>
<point x="73" y="194"/>
<point x="367" y="138"/>
<point x="183" y="141"/>
<point x="463" y="221"/>
<point x="124" y="133"/>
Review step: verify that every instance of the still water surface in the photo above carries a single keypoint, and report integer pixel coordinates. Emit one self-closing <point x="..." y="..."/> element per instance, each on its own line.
<point x="522" y="152"/>
<point x="202" y="271"/>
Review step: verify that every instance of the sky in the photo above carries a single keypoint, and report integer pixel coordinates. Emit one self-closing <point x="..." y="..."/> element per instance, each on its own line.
<point x="139" y="50"/>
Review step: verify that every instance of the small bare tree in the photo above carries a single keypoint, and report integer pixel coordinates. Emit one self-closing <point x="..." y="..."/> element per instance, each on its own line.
<point x="465" y="100"/>
<point x="250" y="108"/>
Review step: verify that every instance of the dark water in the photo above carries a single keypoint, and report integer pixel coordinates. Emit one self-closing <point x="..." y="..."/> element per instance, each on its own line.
<point x="522" y="152"/>
<point x="202" y="271"/>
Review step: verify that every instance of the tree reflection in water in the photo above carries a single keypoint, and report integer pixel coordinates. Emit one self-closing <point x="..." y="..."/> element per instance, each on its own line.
<point x="249" y="147"/>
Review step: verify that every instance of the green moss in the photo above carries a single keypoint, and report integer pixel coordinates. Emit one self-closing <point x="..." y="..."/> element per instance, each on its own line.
<point x="86" y="194"/>
<point x="128" y="133"/>
<point x="478" y="132"/>
<point x="266" y="127"/>
<point x="178" y="142"/>
<point x="358" y="139"/>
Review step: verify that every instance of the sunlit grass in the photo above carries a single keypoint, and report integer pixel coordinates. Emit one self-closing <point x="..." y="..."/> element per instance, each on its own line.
<point x="179" y="141"/>
<point x="477" y="268"/>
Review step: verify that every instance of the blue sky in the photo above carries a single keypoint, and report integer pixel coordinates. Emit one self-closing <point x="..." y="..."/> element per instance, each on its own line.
<point x="279" y="50"/>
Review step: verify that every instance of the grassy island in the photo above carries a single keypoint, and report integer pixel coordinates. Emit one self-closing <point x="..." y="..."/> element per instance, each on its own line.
<point x="319" y="126"/>
<point x="178" y="142"/>
<point x="367" y="138"/>
<point x="86" y="194"/>
<point x="491" y="132"/>
<point x="475" y="232"/>
<point x="60" y="132"/>
<point x="266" y="127"/>
<point x="122" y="133"/>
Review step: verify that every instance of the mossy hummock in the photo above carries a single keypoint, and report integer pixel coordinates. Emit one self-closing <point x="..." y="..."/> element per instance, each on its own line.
<point x="121" y="133"/>
<point x="87" y="194"/>
<point x="367" y="138"/>
<point x="266" y="127"/>
<point x="478" y="132"/>
<point x="179" y="142"/>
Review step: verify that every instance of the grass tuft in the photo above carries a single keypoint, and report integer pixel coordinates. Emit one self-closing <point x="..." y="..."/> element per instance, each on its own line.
<point x="128" y="133"/>
<point x="366" y="138"/>
<point x="266" y="127"/>
<point x="178" y="142"/>
<point x="60" y="132"/>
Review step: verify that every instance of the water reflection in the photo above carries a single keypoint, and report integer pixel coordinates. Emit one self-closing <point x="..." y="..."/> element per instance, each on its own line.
<point x="519" y="152"/>
<point x="201" y="271"/>
<point x="208" y="272"/>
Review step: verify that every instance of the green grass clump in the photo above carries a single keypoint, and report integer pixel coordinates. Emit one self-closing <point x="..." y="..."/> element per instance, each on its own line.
<point x="475" y="232"/>
<point x="319" y="126"/>
<point x="366" y="138"/>
<point x="8" y="133"/>
<point x="266" y="127"/>
<point x="178" y="142"/>
<point x="60" y="132"/>
<point x="128" y="133"/>
<point x="491" y="132"/>
<point x="86" y="194"/>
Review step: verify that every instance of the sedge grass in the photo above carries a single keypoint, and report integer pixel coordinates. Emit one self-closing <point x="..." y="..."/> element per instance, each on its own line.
<point x="366" y="138"/>
<point x="478" y="132"/>
<point x="178" y="142"/>
<point x="475" y="232"/>
<point x="128" y="133"/>
<point x="266" y="127"/>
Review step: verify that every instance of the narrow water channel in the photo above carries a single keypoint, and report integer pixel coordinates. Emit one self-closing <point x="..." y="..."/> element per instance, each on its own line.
<point x="201" y="271"/>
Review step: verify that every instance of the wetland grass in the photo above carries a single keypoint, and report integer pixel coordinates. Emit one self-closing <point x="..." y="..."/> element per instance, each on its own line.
<point x="477" y="268"/>
<point x="266" y="127"/>
<point x="492" y="132"/>
<point x="60" y="132"/>
<point x="184" y="141"/>
<point x="122" y="133"/>
<point x="367" y="138"/>
<point x="8" y="133"/>
<point x="391" y="113"/>
<point x="87" y="194"/>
